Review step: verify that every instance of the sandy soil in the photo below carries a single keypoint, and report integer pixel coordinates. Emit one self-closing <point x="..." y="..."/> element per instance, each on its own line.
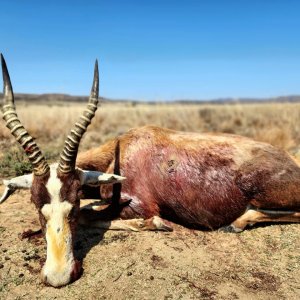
<point x="261" y="263"/>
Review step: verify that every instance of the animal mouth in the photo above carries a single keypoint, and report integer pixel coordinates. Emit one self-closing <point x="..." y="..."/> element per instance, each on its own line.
<point x="77" y="270"/>
<point x="54" y="279"/>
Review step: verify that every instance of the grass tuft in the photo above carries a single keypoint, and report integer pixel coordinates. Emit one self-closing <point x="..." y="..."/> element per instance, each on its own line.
<point x="14" y="163"/>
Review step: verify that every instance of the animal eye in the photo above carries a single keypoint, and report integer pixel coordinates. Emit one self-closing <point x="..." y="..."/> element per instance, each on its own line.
<point x="71" y="214"/>
<point x="69" y="217"/>
<point x="79" y="194"/>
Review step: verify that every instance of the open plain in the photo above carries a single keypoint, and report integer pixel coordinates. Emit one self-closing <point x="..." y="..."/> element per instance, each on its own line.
<point x="260" y="263"/>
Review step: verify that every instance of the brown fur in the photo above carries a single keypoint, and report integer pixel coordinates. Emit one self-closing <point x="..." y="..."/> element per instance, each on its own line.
<point x="40" y="195"/>
<point x="195" y="179"/>
<point x="98" y="158"/>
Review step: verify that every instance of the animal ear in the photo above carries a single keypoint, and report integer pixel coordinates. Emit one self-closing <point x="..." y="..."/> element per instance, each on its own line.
<point x="16" y="183"/>
<point x="95" y="178"/>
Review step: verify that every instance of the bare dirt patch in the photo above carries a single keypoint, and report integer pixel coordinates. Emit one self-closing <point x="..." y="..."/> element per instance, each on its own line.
<point x="261" y="263"/>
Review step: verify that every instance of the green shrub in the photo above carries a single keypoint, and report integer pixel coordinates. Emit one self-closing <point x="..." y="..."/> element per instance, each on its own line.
<point x="14" y="163"/>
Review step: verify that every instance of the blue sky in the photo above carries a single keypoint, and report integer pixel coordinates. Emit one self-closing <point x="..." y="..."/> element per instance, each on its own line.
<point x="153" y="50"/>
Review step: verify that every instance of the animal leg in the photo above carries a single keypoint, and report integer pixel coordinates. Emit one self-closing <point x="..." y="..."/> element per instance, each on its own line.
<point x="255" y="215"/>
<point x="154" y="223"/>
<point x="102" y="216"/>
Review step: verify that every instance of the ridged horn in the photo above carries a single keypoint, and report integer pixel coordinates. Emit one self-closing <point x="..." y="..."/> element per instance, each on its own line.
<point x="69" y="153"/>
<point x="13" y="123"/>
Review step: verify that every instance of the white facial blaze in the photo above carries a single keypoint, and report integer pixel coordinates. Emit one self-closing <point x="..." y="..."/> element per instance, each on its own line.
<point x="54" y="184"/>
<point x="60" y="260"/>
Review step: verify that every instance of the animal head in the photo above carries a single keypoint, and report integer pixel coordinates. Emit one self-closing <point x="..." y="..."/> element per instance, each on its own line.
<point x="55" y="189"/>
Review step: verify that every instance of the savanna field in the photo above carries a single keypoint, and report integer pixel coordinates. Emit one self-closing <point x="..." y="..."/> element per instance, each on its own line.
<point x="259" y="263"/>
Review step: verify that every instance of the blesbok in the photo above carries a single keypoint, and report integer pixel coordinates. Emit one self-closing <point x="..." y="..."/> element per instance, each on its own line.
<point x="199" y="180"/>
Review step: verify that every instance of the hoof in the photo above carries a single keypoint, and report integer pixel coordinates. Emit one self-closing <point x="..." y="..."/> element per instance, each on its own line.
<point x="231" y="229"/>
<point x="161" y="224"/>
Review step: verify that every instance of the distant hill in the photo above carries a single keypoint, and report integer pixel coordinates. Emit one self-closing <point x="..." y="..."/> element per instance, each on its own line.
<point x="57" y="98"/>
<point x="280" y="99"/>
<point x="50" y="98"/>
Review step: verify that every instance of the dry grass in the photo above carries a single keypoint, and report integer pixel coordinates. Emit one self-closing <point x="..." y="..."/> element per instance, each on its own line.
<point x="278" y="124"/>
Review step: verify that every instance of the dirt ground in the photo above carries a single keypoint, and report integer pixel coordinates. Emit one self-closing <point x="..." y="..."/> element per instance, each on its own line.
<point x="261" y="263"/>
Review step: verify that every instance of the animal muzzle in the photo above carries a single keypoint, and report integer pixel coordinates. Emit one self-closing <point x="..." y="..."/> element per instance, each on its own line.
<point x="77" y="270"/>
<point x="58" y="277"/>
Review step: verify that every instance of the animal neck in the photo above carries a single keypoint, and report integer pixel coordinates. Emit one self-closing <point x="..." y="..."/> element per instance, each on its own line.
<point x="97" y="159"/>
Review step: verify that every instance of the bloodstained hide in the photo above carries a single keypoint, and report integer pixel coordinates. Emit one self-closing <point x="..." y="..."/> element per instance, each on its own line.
<point x="194" y="188"/>
<point x="195" y="179"/>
